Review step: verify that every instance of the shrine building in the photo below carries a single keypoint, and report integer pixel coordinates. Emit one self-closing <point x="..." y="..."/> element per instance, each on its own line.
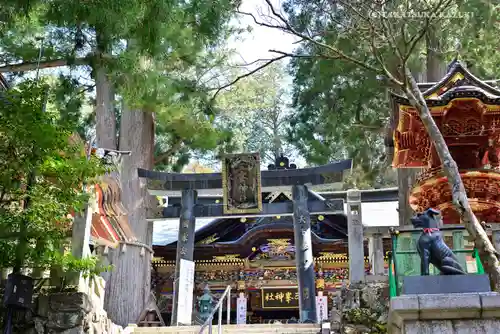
<point x="256" y="256"/>
<point x="467" y="112"/>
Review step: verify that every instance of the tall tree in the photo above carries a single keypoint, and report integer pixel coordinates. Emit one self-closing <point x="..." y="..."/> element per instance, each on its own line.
<point x="255" y="110"/>
<point x="136" y="54"/>
<point x="403" y="35"/>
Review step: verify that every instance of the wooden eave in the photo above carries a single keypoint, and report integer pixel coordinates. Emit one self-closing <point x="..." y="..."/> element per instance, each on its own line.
<point x="243" y="246"/>
<point x="477" y="92"/>
<point x="331" y="221"/>
<point x="474" y="89"/>
<point x="458" y="68"/>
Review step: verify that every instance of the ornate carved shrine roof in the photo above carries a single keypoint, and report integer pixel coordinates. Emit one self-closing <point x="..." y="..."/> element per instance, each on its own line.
<point x="464" y="108"/>
<point x="467" y="112"/>
<point x="246" y="237"/>
<point x="241" y="234"/>
<point x="379" y="208"/>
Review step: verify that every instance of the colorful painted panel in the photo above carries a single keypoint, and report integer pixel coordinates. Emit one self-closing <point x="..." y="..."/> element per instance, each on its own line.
<point x="241" y="183"/>
<point x="412" y="146"/>
<point x="483" y="190"/>
<point x="280" y="298"/>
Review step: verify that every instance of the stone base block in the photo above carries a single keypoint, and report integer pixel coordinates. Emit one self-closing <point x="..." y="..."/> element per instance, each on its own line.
<point x="414" y="285"/>
<point x="445" y="313"/>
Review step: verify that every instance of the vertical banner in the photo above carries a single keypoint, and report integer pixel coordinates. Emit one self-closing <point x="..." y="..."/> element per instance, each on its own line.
<point x="241" y="311"/>
<point x="321" y="308"/>
<point x="186" y="284"/>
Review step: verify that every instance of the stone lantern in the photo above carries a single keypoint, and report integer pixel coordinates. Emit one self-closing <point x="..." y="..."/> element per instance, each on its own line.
<point x="205" y="304"/>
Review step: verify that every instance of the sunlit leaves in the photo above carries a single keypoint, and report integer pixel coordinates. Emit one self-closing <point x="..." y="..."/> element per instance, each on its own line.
<point x="35" y="150"/>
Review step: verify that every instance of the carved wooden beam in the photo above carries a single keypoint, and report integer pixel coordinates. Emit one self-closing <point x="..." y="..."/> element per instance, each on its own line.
<point x="161" y="183"/>
<point x="316" y="207"/>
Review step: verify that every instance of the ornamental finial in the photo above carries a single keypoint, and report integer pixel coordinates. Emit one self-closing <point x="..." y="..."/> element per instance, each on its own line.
<point x="281" y="162"/>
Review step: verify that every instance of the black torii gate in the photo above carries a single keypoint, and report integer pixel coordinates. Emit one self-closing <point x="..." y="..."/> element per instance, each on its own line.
<point x="280" y="176"/>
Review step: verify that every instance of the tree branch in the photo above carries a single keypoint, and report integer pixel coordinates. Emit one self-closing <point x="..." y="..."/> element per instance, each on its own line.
<point x="31" y="66"/>
<point x="269" y="62"/>
<point x="417" y="37"/>
<point x="289" y="29"/>
<point x="165" y="156"/>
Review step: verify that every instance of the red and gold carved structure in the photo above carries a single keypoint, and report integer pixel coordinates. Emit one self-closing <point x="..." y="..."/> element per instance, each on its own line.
<point x="467" y="111"/>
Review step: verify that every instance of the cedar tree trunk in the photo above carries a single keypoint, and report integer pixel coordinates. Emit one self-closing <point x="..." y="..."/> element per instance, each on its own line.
<point x="129" y="284"/>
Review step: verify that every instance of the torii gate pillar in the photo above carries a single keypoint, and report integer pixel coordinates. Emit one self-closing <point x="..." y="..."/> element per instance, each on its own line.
<point x="185" y="243"/>
<point x="303" y="254"/>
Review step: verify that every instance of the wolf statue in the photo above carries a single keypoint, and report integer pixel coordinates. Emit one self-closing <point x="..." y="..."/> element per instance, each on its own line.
<point x="431" y="246"/>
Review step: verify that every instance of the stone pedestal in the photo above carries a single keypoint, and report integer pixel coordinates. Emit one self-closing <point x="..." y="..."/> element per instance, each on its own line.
<point x="355" y="237"/>
<point x="71" y="312"/>
<point x="445" y="314"/>
<point x="445" y="284"/>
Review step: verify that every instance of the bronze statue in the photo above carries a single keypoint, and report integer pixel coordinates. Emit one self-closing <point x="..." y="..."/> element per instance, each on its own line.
<point x="431" y="246"/>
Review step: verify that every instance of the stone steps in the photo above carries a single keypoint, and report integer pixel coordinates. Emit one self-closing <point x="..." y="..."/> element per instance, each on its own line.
<point x="235" y="329"/>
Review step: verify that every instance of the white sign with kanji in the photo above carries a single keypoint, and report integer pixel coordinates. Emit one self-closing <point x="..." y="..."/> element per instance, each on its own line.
<point x="321" y="308"/>
<point x="241" y="311"/>
<point x="186" y="284"/>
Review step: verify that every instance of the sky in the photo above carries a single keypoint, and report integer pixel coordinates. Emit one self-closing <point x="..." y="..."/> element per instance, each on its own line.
<point x="257" y="43"/>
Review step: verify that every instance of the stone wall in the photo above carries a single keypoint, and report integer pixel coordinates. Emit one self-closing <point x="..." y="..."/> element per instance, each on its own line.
<point x="445" y="314"/>
<point x="364" y="308"/>
<point x="67" y="313"/>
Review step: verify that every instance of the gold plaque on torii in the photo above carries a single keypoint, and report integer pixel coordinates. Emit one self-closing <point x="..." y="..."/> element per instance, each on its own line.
<point x="241" y="185"/>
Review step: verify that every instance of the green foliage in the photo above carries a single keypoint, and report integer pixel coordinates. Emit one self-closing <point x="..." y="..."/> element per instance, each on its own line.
<point x="156" y="55"/>
<point x="255" y="112"/>
<point x="41" y="178"/>
<point x="342" y="107"/>
<point x="366" y="318"/>
<point x="88" y="267"/>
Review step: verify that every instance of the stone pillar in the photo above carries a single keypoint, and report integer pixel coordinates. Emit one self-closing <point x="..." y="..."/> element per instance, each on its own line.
<point x="459" y="244"/>
<point x="376" y="253"/>
<point x="355" y="237"/>
<point x="102" y="252"/>
<point x="185" y="242"/>
<point x="80" y="241"/>
<point x="303" y="254"/>
<point x="495" y="238"/>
